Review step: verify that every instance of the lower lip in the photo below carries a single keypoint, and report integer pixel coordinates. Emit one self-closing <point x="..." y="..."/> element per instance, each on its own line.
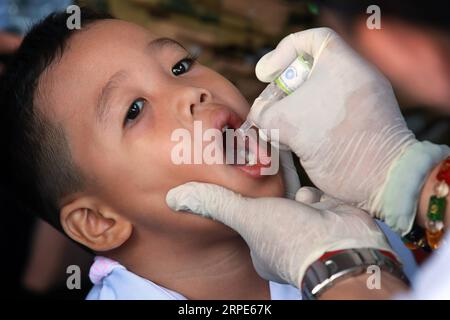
<point x="252" y="171"/>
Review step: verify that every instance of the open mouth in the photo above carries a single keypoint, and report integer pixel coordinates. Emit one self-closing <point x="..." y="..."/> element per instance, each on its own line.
<point x="241" y="150"/>
<point x="237" y="149"/>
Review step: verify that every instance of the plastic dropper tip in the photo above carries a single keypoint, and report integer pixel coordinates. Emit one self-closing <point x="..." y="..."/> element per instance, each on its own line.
<point x="245" y="127"/>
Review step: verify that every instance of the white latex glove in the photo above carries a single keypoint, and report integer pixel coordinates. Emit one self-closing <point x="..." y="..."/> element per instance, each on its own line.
<point x="284" y="236"/>
<point x="345" y="125"/>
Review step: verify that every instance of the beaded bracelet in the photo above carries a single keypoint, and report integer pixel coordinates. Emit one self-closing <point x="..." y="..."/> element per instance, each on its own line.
<point x="436" y="207"/>
<point x="430" y="238"/>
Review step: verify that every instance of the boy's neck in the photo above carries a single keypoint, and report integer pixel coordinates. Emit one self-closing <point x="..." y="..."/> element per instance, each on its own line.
<point x="220" y="271"/>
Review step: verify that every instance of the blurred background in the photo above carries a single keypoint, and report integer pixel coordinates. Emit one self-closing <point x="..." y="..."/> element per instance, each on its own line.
<point x="412" y="49"/>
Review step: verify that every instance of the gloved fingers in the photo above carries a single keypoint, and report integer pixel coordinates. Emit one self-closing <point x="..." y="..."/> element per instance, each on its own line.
<point x="311" y="41"/>
<point x="308" y="195"/>
<point x="327" y="198"/>
<point x="317" y="198"/>
<point x="290" y="175"/>
<point x="272" y="64"/>
<point x="279" y="116"/>
<point x="210" y="201"/>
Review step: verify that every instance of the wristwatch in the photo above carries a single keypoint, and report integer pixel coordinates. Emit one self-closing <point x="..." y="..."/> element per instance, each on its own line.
<point x="338" y="265"/>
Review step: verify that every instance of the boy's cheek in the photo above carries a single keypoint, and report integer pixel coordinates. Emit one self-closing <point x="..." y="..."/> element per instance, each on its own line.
<point x="226" y="93"/>
<point x="236" y="100"/>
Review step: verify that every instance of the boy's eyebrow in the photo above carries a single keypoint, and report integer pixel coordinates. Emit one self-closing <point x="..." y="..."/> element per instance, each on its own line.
<point x="160" y="43"/>
<point x="102" y="109"/>
<point x="103" y="106"/>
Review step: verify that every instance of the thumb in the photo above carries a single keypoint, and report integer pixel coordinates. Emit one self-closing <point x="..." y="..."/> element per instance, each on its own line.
<point x="308" y="195"/>
<point x="210" y="201"/>
<point x="311" y="41"/>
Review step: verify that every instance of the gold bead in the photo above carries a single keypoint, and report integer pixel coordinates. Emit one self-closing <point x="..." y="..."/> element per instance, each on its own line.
<point x="411" y="246"/>
<point x="434" y="238"/>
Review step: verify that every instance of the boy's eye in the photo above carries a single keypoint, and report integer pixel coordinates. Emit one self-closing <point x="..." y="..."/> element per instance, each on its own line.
<point x="183" y="66"/>
<point x="134" y="110"/>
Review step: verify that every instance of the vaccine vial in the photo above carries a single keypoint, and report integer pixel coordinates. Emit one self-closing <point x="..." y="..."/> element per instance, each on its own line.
<point x="288" y="81"/>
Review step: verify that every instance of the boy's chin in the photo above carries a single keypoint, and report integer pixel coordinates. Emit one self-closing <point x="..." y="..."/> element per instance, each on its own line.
<point x="235" y="180"/>
<point x="268" y="186"/>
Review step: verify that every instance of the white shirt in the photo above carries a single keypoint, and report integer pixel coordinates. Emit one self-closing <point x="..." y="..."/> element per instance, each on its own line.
<point x="112" y="281"/>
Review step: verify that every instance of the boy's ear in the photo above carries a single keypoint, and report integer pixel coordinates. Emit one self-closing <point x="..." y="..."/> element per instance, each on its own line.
<point x="98" y="228"/>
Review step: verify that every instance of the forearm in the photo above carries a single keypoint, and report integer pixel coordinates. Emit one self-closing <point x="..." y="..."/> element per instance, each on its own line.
<point x="358" y="288"/>
<point x="9" y="42"/>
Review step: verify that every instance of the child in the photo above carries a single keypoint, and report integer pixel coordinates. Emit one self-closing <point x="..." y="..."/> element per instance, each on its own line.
<point x="90" y="117"/>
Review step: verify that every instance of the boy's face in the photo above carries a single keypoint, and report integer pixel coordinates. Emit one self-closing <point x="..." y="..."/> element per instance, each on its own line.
<point x="118" y="100"/>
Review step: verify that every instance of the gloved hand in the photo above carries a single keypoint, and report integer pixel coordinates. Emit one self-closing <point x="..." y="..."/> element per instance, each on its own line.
<point x="345" y="125"/>
<point x="284" y="236"/>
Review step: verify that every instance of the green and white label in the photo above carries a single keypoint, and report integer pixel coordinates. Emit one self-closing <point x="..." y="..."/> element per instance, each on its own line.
<point x="294" y="75"/>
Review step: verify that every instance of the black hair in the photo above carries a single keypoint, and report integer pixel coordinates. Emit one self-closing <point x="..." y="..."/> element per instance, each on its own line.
<point x="39" y="170"/>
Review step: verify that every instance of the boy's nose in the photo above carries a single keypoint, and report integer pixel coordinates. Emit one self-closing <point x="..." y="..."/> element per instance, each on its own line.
<point x="191" y="100"/>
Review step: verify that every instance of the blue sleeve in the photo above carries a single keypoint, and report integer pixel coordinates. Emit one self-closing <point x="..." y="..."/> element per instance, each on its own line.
<point x="409" y="263"/>
<point x="4" y="14"/>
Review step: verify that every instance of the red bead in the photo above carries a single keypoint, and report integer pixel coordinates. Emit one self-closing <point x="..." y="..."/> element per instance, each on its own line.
<point x="444" y="172"/>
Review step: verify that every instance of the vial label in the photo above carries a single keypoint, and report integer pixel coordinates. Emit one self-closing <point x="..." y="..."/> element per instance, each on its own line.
<point x="294" y="75"/>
